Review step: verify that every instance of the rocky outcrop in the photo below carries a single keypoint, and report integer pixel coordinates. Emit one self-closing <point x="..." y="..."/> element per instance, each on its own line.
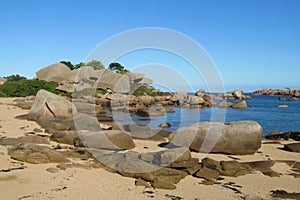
<point x="236" y="94"/>
<point x="241" y="138"/>
<point x="36" y="154"/>
<point x="161" y="169"/>
<point x="272" y="92"/>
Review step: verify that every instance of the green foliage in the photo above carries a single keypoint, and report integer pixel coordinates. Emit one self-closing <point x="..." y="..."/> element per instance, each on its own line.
<point x="79" y="65"/>
<point x="118" y="68"/>
<point x="85" y="80"/>
<point x="95" y="64"/>
<point x="26" y="87"/>
<point x="122" y="71"/>
<point x="16" y="77"/>
<point x="69" y="64"/>
<point x="101" y="91"/>
<point x="142" y="90"/>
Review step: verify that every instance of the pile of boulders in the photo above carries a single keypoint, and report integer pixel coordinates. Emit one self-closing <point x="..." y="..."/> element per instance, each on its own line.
<point x="236" y="95"/>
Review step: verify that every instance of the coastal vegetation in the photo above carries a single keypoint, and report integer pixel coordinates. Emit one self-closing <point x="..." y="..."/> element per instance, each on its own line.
<point x="26" y="87"/>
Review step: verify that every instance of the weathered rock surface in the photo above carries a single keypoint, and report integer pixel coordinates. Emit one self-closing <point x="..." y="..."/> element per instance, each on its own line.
<point x="264" y="167"/>
<point x="242" y="137"/>
<point x="116" y="82"/>
<point x="225" y="168"/>
<point x="294" y="147"/>
<point x="240" y="105"/>
<point x="36" y="154"/>
<point x="65" y="137"/>
<point x="111" y="139"/>
<point x="225" y="104"/>
<point x="56" y="72"/>
<point x="24" y="139"/>
<point x="52" y="106"/>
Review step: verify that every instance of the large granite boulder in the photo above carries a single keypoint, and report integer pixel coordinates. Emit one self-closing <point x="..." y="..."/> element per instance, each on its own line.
<point x="36" y="154"/>
<point x="181" y="96"/>
<point x="116" y="82"/>
<point x="50" y="105"/>
<point x="240" y="138"/>
<point x="237" y="94"/>
<point x="57" y="72"/>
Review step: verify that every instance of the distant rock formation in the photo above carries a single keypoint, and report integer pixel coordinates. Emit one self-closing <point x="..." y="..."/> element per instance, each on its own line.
<point x="272" y="92"/>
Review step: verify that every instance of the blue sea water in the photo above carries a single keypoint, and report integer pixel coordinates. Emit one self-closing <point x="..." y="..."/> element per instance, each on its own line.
<point x="263" y="110"/>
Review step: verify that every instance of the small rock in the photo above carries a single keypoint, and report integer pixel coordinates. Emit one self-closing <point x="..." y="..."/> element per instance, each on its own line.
<point x="140" y="182"/>
<point x="282" y="106"/>
<point x="207" y="173"/>
<point x="165" y="125"/>
<point x="163" y="185"/>
<point x="52" y="170"/>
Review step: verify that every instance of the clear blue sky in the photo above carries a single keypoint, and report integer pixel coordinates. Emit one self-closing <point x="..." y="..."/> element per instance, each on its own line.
<point x="254" y="43"/>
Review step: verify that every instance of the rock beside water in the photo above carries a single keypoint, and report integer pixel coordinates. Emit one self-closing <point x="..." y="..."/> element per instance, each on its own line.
<point x="240" y="138"/>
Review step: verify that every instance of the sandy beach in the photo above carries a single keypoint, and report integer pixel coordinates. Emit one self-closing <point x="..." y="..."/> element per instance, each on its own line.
<point x="20" y="180"/>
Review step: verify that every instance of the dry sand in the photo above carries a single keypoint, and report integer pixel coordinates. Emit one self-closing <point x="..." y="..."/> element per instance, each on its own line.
<point x="35" y="182"/>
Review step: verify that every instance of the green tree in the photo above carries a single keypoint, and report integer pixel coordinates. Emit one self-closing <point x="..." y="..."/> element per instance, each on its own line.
<point x="69" y="64"/>
<point x="118" y="68"/>
<point x="95" y="64"/>
<point x="79" y="65"/>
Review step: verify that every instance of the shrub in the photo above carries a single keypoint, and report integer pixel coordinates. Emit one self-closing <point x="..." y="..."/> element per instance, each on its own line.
<point x="26" y="87"/>
<point x="141" y="90"/>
